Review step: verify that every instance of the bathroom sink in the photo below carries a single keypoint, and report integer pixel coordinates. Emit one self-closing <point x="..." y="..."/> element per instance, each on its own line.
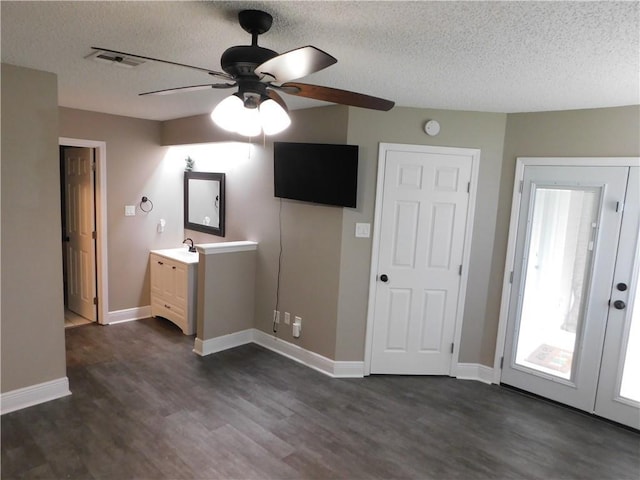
<point x="181" y="254"/>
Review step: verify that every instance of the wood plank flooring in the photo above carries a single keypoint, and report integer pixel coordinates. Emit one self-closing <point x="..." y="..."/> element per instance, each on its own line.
<point x="145" y="406"/>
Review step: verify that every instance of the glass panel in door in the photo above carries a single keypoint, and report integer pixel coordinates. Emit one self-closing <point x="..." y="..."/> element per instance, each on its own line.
<point x="559" y="261"/>
<point x="630" y="385"/>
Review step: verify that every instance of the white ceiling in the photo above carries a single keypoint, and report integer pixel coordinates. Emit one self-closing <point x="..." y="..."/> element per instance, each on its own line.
<point x="482" y="56"/>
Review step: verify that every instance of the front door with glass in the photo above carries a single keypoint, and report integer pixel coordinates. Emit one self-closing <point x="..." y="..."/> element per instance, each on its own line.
<point x="568" y="233"/>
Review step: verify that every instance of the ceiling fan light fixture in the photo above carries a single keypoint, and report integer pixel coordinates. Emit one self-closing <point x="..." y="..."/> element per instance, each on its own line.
<point x="273" y="117"/>
<point x="249" y="122"/>
<point x="227" y="114"/>
<point x="249" y="119"/>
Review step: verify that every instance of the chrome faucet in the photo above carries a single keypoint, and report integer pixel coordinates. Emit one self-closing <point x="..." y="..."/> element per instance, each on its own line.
<point x="191" y="247"/>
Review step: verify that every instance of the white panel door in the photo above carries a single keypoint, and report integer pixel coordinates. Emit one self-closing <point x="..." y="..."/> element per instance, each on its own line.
<point x="421" y="244"/>
<point x="79" y="229"/>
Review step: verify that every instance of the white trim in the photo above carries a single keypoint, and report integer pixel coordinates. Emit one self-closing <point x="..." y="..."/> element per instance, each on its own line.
<point x="225" y="342"/>
<point x="226" y="247"/>
<point x="466" y="254"/>
<point x="332" y="368"/>
<point x="128" y="315"/>
<point x="345" y="369"/>
<point x="34" y="395"/>
<point x="375" y="248"/>
<point x="580" y="161"/>
<point x="521" y="163"/>
<point x="102" y="262"/>
<point x="474" y="371"/>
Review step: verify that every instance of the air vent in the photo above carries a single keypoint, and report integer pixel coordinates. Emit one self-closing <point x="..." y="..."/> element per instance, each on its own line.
<point x="114" y="59"/>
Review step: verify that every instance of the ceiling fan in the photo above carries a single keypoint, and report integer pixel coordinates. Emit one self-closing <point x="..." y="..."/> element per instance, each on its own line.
<point x="260" y="74"/>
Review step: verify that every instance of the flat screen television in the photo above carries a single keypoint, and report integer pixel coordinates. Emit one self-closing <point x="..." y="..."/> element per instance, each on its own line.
<point x="316" y="172"/>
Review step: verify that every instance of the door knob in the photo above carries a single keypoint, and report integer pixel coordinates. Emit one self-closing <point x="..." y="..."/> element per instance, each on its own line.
<point x="621" y="286"/>
<point x="384" y="278"/>
<point x="619" y="304"/>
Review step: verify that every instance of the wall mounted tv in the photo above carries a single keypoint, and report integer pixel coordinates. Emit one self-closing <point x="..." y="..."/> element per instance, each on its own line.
<point x="316" y="172"/>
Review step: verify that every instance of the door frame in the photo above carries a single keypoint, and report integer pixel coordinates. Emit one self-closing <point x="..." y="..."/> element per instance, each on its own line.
<point x="102" y="283"/>
<point x="375" y="249"/>
<point x="510" y="260"/>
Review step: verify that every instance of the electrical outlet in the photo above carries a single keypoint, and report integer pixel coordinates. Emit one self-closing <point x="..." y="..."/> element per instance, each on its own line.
<point x="287" y="318"/>
<point x="276" y="316"/>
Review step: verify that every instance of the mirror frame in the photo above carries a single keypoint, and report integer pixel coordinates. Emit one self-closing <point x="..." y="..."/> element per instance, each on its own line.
<point x="219" y="177"/>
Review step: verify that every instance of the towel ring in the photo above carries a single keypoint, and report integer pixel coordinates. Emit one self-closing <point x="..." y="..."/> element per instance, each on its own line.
<point x="144" y="202"/>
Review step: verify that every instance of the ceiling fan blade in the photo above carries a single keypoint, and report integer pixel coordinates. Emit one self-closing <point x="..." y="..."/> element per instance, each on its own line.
<point x="125" y="54"/>
<point x="191" y="88"/>
<point x="335" y="95"/>
<point x="296" y="63"/>
<point x="278" y="99"/>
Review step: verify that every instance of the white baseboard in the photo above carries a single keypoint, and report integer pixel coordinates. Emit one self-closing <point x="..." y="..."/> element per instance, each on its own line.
<point x="33" y="395"/>
<point x="332" y="368"/>
<point x="474" y="371"/>
<point x="128" y="315"/>
<point x="225" y="342"/>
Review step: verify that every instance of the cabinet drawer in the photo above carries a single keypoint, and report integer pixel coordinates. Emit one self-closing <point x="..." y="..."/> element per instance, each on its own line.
<point x="176" y="314"/>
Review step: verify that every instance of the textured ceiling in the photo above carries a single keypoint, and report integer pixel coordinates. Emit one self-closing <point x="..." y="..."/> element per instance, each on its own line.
<point x="483" y="56"/>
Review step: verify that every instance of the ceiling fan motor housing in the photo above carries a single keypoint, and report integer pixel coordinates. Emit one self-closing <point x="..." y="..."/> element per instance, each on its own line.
<point x="242" y="60"/>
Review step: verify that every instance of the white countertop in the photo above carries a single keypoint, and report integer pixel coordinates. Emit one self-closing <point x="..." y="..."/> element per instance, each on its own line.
<point x="180" y="254"/>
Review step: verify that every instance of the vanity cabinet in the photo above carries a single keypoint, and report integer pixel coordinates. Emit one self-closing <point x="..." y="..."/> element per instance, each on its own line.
<point x="174" y="290"/>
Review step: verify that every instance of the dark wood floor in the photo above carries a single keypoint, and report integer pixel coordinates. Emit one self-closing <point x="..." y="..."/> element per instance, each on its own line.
<point x="144" y="406"/>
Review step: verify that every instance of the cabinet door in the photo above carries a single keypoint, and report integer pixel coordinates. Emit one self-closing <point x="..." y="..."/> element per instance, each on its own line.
<point x="168" y="280"/>
<point x="156" y="275"/>
<point x="180" y="284"/>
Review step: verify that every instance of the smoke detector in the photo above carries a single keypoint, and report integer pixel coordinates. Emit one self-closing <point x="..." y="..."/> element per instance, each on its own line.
<point x="114" y="59"/>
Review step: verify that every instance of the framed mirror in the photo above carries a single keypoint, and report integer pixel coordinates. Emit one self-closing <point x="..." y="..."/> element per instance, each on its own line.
<point x="204" y="202"/>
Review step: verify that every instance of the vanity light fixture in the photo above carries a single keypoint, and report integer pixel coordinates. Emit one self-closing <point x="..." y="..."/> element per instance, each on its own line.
<point x="249" y="114"/>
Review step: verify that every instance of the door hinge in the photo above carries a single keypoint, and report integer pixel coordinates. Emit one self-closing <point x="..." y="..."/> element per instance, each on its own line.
<point x="95" y="300"/>
<point x="460" y="270"/>
<point x="468" y="187"/>
<point x="452" y="348"/>
<point x="94" y="235"/>
<point x="501" y="362"/>
<point x="619" y="207"/>
<point x="93" y="165"/>
<point x="521" y="185"/>
<point x="511" y="277"/>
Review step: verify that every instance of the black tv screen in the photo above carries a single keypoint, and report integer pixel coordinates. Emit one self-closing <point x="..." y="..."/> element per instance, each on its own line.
<point x="316" y="172"/>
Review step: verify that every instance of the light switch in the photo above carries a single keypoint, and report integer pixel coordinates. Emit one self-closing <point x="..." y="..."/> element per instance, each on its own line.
<point x="129" y="210"/>
<point x="363" y="230"/>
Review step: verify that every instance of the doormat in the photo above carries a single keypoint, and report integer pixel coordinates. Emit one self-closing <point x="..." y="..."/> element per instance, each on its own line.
<point x="551" y="357"/>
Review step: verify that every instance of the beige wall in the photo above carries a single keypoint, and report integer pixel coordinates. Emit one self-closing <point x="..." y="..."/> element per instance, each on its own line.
<point x="311" y="234"/>
<point x="405" y="125"/>
<point x="136" y="166"/>
<point x="604" y="132"/>
<point x="325" y="269"/>
<point x="33" y="348"/>
<point x="226" y="297"/>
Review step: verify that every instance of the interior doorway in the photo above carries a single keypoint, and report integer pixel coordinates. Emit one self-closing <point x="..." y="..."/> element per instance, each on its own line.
<point x="77" y="167"/>
<point x="84" y="232"/>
